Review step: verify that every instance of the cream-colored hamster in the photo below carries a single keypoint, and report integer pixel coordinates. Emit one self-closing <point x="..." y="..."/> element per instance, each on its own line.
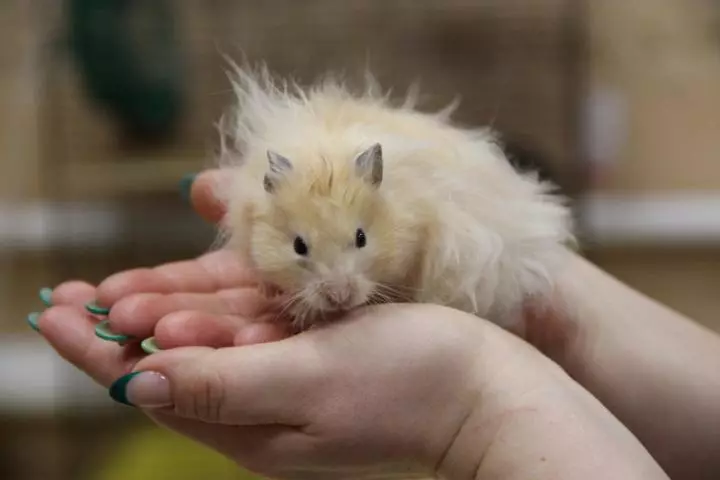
<point x="341" y="199"/>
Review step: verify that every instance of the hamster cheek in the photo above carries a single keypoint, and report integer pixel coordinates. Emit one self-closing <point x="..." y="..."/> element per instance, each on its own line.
<point x="274" y="264"/>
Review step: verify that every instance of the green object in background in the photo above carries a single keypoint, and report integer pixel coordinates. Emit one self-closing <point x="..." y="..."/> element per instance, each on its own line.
<point x="154" y="453"/>
<point x="130" y="61"/>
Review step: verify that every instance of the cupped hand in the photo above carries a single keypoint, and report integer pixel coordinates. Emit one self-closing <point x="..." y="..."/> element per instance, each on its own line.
<point x="393" y="391"/>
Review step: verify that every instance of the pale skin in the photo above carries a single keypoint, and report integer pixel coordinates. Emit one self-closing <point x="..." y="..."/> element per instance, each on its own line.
<point x="637" y="387"/>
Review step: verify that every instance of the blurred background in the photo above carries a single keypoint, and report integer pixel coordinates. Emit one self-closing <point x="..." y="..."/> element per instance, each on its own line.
<point x="106" y="104"/>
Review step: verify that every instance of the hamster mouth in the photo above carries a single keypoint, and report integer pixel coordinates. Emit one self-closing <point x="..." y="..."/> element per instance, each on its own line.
<point x="310" y="313"/>
<point x="303" y="310"/>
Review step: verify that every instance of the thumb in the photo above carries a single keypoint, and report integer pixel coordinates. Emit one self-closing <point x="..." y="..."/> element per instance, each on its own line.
<point x="273" y="383"/>
<point x="206" y="194"/>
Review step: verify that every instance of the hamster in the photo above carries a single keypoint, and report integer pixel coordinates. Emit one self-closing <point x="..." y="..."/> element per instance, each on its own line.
<point x="341" y="199"/>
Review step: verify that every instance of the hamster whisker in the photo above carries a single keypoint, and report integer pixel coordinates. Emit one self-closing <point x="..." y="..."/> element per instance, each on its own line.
<point x="396" y="288"/>
<point x="390" y="293"/>
<point x="288" y="304"/>
<point x="302" y="315"/>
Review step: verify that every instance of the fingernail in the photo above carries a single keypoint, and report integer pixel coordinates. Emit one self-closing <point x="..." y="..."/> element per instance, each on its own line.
<point x="149" y="346"/>
<point x="46" y="296"/>
<point x="92" y="307"/>
<point x="32" y="320"/>
<point x="142" y="389"/>
<point x="186" y="185"/>
<point x="103" y="331"/>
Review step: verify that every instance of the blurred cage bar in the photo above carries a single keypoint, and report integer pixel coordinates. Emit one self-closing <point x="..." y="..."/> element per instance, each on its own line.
<point x="516" y="65"/>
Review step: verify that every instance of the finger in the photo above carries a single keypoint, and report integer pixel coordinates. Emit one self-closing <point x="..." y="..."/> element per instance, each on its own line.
<point x="270" y="383"/>
<point x="204" y="194"/>
<point x="137" y="315"/>
<point x="186" y="329"/>
<point x="209" y="273"/>
<point x="261" y="332"/>
<point x="71" y="332"/>
<point x="72" y="293"/>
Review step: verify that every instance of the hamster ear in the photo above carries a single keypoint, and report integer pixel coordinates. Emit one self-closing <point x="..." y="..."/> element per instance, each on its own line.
<point x="277" y="167"/>
<point x="369" y="165"/>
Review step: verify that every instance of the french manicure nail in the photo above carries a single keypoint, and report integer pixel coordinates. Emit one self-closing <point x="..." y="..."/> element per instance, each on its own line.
<point x="186" y="185"/>
<point x="46" y="296"/>
<point x="149" y="346"/>
<point x="142" y="389"/>
<point x="32" y="320"/>
<point x="102" y="330"/>
<point x="92" y="307"/>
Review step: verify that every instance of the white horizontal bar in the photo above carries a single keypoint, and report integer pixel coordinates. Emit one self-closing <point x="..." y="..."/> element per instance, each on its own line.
<point x="38" y="225"/>
<point x="49" y="225"/>
<point x="682" y="219"/>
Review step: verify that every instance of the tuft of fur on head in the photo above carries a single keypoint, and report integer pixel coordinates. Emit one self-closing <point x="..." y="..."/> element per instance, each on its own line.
<point x="450" y="221"/>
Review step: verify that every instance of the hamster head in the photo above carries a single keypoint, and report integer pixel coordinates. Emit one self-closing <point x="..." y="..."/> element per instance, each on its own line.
<point x="321" y="232"/>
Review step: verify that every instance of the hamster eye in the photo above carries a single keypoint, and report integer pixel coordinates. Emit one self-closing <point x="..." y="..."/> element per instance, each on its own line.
<point x="300" y="246"/>
<point x="360" y="238"/>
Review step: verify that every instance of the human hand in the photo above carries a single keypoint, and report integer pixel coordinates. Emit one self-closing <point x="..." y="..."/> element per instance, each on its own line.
<point x="390" y="391"/>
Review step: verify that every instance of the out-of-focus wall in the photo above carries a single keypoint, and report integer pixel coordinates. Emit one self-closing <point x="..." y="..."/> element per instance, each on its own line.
<point x="19" y="108"/>
<point x="660" y="60"/>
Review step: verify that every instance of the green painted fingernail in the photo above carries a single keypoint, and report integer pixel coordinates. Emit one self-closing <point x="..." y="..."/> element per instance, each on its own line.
<point x="103" y="331"/>
<point x="32" y="320"/>
<point x="149" y="345"/>
<point x="97" y="310"/>
<point x="46" y="296"/>
<point x="118" y="390"/>
<point x="147" y="390"/>
<point x="186" y="185"/>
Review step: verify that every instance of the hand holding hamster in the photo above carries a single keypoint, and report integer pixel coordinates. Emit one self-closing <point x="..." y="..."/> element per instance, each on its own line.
<point x="341" y="199"/>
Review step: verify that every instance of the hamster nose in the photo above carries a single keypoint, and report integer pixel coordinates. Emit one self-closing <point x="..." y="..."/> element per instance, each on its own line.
<point x="337" y="296"/>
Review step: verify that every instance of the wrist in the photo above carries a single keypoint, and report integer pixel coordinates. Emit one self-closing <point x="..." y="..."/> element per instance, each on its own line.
<point x="536" y="423"/>
<point x="507" y="375"/>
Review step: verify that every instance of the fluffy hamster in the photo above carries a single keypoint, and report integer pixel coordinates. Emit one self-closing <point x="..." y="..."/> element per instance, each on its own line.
<point x="341" y="199"/>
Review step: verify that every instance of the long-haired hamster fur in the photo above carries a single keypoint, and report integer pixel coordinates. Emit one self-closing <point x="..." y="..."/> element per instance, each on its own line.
<point x="341" y="198"/>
